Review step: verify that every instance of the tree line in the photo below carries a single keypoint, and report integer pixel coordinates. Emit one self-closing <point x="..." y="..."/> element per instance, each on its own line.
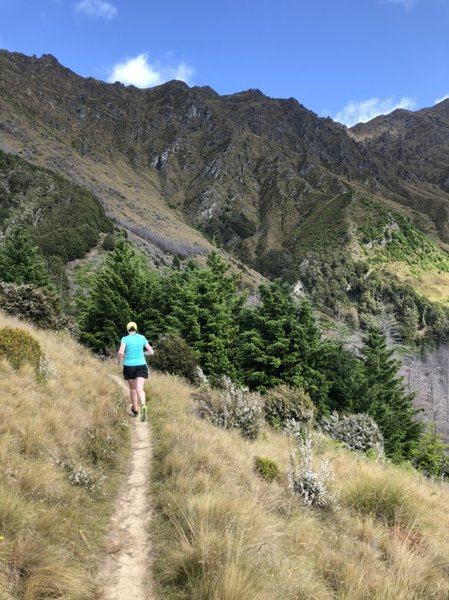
<point x="276" y="342"/>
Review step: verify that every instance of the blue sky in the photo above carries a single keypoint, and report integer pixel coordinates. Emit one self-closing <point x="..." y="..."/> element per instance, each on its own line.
<point x="348" y="59"/>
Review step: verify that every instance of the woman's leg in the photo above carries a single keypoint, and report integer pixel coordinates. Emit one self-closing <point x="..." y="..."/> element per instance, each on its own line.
<point x="133" y="392"/>
<point x="139" y="389"/>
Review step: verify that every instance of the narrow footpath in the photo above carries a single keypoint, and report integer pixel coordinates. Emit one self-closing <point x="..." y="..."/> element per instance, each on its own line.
<point x="126" y="569"/>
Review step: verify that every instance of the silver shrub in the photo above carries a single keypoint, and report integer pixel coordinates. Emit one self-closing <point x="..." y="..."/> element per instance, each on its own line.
<point x="231" y="407"/>
<point x="358" y="432"/>
<point x="314" y="487"/>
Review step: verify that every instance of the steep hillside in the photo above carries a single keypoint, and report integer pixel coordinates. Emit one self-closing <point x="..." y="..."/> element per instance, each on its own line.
<point x="265" y="179"/>
<point x="223" y="530"/>
<point x="63" y="220"/>
<point x="245" y="168"/>
<point x="63" y="441"/>
<point x="415" y="145"/>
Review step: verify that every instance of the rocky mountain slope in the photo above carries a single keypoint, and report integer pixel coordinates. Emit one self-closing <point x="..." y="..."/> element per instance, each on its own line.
<point x="245" y="169"/>
<point x="266" y="179"/>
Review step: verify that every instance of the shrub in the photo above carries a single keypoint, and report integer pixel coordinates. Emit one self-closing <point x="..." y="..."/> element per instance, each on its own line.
<point x="283" y="404"/>
<point x="18" y="347"/>
<point x="231" y="407"/>
<point x="313" y="487"/>
<point x="40" y="307"/>
<point x="431" y="456"/>
<point x="266" y="468"/>
<point x="81" y="476"/>
<point x="100" y="445"/>
<point x="173" y="355"/>
<point x="357" y="432"/>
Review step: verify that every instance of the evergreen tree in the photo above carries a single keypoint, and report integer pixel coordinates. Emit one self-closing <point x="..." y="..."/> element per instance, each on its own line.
<point x="202" y="304"/>
<point x="384" y="398"/>
<point x="22" y="262"/>
<point x="121" y="292"/>
<point x="344" y="373"/>
<point x="278" y="342"/>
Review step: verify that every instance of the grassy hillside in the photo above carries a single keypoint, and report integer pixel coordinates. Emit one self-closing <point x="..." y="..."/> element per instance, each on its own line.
<point x="222" y="532"/>
<point x="63" y="437"/>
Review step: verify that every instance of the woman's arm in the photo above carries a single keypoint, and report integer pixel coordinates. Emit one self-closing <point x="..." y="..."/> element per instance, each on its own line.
<point x="120" y="354"/>
<point x="149" y="350"/>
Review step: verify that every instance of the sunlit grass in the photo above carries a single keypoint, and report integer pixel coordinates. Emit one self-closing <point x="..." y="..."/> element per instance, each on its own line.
<point x="222" y="532"/>
<point x="50" y="527"/>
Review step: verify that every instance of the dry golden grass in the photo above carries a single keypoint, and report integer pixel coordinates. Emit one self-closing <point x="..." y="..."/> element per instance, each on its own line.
<point x="434" y="285"/>
<point x="50" y="528"/>
<point x="222" y="533"/>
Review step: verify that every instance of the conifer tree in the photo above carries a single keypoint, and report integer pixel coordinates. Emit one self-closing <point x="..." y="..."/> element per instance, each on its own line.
<point x="121" y="292"/>
<point x="202" y="304"/>
<point x="278" y="342"/>
<point x="344" y="374"/>
<point x="384" y="398"/>
<point x="22" y="262"/>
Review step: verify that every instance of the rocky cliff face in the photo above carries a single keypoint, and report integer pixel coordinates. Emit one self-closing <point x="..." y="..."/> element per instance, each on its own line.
<point x="245" y="169"/>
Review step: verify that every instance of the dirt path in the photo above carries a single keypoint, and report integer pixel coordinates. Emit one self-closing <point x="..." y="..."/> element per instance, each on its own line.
<point x="124" y="574"/>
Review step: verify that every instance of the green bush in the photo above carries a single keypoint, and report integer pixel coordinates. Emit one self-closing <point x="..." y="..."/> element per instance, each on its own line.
<point x="173" y="355"/>
<point x="266" y="468"/>
<point x="431" y="456"/>
<point x="283" y="404"/>
<point x="18" y="347"/>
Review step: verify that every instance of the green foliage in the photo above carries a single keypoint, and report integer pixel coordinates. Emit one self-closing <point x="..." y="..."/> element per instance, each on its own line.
<point x="121" y="291"/>
<point x="358" y="432"/>
<point x="383" y="397"/>
<point x="22" y="262"/>
<point x="39" y="306"/>
<point x="283" y="404"/>
<point x="431" y="455"/>
<point x="343" y="372"/>
<point x="347" y="289"/>
<point x="19" y="347"/>
<point x="108" y="242"/>
<point x="62" y="219"/>
<point x="202" y="305"/>
<point x="173" y="355"/>
<point x="266" y="468"/>
<point x="390" y="237"/>
<point x="278" y="341"/>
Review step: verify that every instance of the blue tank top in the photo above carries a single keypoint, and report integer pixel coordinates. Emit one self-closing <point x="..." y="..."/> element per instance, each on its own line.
<point x="134" y="347"/>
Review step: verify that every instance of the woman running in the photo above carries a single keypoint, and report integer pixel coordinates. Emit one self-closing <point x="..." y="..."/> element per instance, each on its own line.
<point x="135" y="369"/>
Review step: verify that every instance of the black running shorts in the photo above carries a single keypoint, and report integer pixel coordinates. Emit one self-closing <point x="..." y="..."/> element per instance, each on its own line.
<point x="137" y="371"/>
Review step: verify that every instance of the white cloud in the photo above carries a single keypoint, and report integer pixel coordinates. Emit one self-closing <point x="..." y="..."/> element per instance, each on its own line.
<point x="408" y="4"/>
<point x="438" y="100"/>
<point x="140" y="72"/>
<point x="97" y="8"/>
<point x="360" y="112"/>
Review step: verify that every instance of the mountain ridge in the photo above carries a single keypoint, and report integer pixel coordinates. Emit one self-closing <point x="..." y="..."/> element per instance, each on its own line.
<point x="244" y="170"/>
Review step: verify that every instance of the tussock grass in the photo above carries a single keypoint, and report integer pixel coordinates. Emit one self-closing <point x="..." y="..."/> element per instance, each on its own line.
<point x="222" y="532"/>
<point x="51" y="527"/>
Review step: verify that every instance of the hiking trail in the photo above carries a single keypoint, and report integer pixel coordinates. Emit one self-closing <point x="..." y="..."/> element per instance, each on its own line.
<point x="125" y="571"/>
